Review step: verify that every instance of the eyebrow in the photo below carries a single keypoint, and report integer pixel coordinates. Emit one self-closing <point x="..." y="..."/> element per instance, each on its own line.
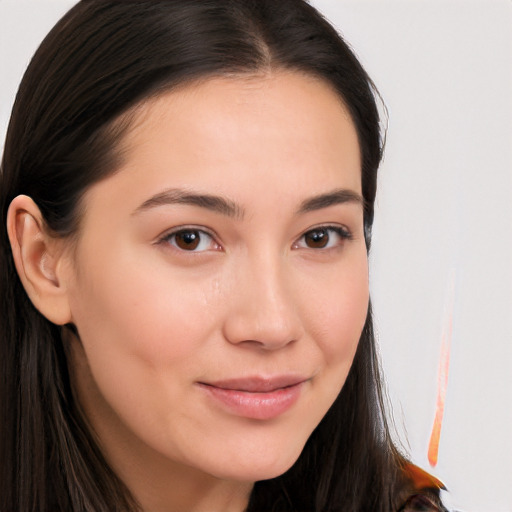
<point x="214" y="203"/>
<point x="229" y="208"/>
<point x="338" y="196"/>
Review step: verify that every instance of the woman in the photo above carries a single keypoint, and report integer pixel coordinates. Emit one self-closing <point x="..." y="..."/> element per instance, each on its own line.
<point x="188" y="190"/>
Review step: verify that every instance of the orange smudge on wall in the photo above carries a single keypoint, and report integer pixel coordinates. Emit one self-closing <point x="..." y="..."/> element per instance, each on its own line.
<point x="444" y="364"/>
<point x="442" y="378"/>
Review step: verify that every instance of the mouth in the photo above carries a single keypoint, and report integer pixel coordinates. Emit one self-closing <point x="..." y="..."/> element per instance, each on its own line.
<point x="258" y="384"/>
<point x="257" y="398"/>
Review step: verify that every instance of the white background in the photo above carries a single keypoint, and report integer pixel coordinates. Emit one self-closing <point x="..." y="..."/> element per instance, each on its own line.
<point x="444" y="215"/>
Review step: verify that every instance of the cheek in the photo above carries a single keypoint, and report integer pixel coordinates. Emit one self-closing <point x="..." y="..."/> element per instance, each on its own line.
<point x="142" y="337"/>
<point x="346" y="320"/>
<point x="141" y="312"/>
<point x="336" y="311"/>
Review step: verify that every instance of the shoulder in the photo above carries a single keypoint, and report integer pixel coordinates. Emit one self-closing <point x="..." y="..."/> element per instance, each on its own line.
<point x="423" y="491"/>
<point x="423" y="502"/>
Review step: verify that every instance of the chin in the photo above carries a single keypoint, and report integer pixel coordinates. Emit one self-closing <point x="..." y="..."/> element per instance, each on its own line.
<point x="258" y="467"/>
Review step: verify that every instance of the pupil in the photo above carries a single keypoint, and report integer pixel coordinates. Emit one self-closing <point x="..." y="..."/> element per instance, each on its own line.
<point x="317" y="239"/>
<point x="187" y="240"/>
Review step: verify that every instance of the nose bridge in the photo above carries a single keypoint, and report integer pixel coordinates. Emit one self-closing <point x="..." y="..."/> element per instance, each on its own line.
<point x="263" y="310"/>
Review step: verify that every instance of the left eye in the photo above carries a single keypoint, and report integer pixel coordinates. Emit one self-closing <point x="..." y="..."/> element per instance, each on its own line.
<point x="191" y="240"/>
<point x="323" y="238"/>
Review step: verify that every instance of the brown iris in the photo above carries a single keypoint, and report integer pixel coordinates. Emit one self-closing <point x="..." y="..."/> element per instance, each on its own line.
<point x="187" y="240"/>
<point x="317" y="238"/>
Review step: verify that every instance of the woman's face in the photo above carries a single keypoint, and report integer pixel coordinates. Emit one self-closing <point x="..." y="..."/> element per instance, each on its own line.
<point x="219" y="285"/>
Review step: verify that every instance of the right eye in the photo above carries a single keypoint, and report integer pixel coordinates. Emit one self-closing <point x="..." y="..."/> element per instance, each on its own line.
<point x="191" y="240"/>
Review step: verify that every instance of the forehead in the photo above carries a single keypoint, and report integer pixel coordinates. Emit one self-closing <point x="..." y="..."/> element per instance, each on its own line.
<point x="241" y="136"/>
<point x="278" y="106"/>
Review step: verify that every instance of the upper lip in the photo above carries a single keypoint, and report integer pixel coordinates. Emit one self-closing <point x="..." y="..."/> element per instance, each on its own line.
<point x="258" y="384"/>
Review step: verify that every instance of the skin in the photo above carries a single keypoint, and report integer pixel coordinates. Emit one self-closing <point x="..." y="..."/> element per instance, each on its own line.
<point x="253" y="299"/>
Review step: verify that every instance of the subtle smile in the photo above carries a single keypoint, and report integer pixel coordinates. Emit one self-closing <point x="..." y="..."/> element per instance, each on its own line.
<point x="255" y="397"/>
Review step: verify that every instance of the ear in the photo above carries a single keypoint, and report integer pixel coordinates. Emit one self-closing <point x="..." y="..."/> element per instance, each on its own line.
<point x="38" y="257"/>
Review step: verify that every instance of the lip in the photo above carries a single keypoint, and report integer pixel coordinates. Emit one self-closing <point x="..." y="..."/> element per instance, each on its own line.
<point x="260" y="398"/>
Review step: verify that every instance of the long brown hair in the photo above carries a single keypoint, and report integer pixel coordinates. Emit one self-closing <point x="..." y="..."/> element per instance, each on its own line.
<point x="100" y="60"/>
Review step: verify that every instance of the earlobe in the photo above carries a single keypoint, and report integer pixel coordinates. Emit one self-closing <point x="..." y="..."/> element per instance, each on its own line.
<point x="37" y="258"/>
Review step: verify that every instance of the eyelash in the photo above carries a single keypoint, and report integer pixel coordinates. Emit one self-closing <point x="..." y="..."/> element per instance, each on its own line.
<point x="343" y="233"/>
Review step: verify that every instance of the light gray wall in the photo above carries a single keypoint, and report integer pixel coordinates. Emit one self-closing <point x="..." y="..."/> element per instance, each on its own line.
<point x="444" y="218"/>
<point x="443" y="232"/>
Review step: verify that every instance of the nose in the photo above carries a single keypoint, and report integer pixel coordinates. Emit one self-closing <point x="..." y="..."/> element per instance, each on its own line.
<point x="263" y="312"/>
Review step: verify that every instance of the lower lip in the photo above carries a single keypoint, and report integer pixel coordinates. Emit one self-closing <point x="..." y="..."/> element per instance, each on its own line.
<point x="258" y="406"/>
